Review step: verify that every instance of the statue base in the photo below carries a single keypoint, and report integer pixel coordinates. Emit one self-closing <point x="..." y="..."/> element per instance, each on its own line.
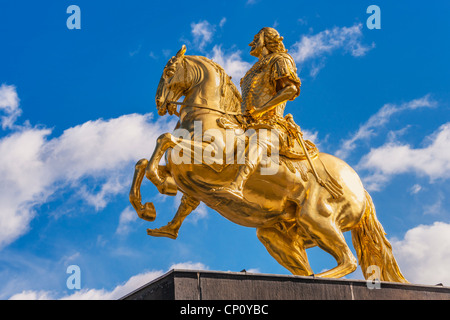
<point x="216" y="285"/>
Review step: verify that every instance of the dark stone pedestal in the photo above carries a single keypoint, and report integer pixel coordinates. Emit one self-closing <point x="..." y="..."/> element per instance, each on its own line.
<point x="214" y="285"/>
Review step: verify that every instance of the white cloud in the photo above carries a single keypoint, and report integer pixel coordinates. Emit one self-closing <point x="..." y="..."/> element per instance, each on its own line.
<point x="347" y="38"/>
<point x="302" y="21"/>
<point x="22" y="181"/>
<point x="311" y="136"/>
<point x="393" y="158"/>
<point x="379" y="119"/>
<point x="33" y="167"/>
<point x="201" y="212"/>
<point x="232" y="63"/>
<point x="436" y="208"/>
<point x="132" y="284"/>
<point x="118" y="292"/>
<point x="316" y="67"/>
<point x="308" y="48"/>
<point x="9" y="104"/>
<point x="323" y="43"/>
<point x="423" y="254"/>
<point x="134" y="52"/>
<point x="32" y="295"/>
<point x="189" y="266"/>
<point x="101" y="145"/>
<point x="93" y="294"/>
<point x="113" y="186"/>
<point x="203" y="33"/>
<point x="222" y="22"/>
<point x="127" y="216"/>
<point x="416" y="188"/>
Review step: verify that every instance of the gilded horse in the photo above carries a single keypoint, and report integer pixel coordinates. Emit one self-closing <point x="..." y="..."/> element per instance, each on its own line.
<point x="290" y="211"/>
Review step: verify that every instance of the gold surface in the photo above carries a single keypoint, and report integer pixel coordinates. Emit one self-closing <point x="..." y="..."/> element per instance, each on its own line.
<point x="310" y="198"/>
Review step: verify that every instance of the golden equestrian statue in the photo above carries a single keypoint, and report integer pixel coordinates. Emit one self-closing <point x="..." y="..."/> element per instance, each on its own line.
<point x="243" y="158"/>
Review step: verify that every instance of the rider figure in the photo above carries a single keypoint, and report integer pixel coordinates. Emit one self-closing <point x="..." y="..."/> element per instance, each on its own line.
<point x="266" y="88"/>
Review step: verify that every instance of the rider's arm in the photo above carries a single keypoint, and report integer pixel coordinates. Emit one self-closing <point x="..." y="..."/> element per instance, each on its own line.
<point x="286" y="90"/>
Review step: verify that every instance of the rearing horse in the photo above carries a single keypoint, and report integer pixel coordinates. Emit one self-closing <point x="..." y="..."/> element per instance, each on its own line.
<point x="290" y="211"/>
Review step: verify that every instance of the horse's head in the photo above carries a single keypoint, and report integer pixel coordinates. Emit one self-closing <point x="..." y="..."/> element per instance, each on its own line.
<point x="172" y="84"/>
<point x="196" y="78"/>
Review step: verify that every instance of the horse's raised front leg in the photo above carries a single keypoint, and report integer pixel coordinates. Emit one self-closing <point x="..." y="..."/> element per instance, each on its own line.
<point x="147" y="211"/>
<point x="188" y="204"/>
<point x="157" y="174"/>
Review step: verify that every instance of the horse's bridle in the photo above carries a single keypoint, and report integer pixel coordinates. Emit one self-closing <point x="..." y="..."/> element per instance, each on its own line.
<point x="202" y="106"/>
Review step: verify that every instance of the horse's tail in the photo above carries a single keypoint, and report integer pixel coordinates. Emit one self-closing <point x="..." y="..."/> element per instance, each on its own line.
<point x="372" y="247"/>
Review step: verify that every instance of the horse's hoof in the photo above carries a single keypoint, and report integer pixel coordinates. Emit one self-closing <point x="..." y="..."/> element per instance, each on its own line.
<point x="147" y="212"/>
<point x="168" y="187"/>
<point x="160" y="232"/>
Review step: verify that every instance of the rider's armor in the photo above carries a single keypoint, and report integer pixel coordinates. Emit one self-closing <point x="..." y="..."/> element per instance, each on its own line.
<point x="259" y="86"/>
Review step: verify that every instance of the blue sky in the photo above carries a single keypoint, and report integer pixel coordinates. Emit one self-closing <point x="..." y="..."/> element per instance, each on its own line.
<point x="77" y="111"/>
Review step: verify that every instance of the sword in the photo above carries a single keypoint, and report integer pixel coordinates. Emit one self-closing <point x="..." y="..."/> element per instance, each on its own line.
<point x="334" y="188"/>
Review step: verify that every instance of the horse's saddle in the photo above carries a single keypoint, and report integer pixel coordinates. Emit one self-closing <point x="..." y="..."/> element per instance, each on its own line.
<point x="293" y="150"/>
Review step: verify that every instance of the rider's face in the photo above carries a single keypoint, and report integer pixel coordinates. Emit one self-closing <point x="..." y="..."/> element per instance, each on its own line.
<point x="257" y="45"/>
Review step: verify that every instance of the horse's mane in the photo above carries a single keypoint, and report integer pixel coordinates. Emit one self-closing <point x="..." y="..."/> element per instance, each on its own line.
<point x="230" y="99"/>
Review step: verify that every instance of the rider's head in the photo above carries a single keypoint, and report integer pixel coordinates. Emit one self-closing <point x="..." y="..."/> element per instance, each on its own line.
<point x="266" y="41"/>
<point x="272" y="40"/>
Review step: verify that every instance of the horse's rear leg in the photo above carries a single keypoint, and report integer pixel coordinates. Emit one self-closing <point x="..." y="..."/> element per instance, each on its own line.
<point x="288" y="251"/>
<point x="329" y="238"/>
<point x="147" y="211"/>
<point x="188" y="204"/>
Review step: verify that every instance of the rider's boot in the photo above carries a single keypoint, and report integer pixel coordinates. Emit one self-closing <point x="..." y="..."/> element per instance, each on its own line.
<point x="237" y="186"/>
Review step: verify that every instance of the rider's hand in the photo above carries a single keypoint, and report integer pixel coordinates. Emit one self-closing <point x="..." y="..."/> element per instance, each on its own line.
<point x="172" y="109"/>
<point x="162" y="111"/>
<point x="251" y="110"/>
<point x="255" y="113"/>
